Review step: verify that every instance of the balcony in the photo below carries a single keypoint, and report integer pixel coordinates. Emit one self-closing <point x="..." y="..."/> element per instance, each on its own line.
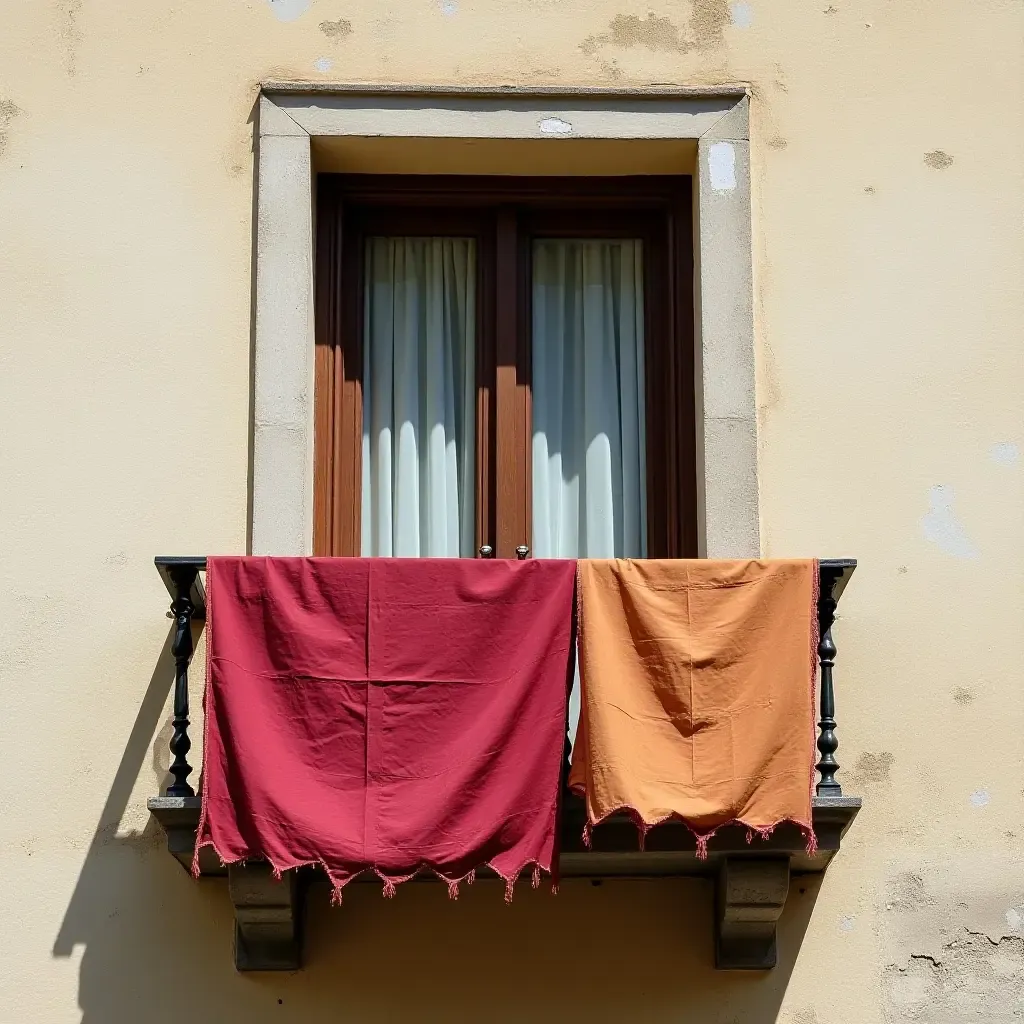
<point x="752" y="881"/>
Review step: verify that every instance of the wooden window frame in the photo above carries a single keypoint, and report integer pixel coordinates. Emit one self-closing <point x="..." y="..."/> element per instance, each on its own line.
<point x="504" y="215"/>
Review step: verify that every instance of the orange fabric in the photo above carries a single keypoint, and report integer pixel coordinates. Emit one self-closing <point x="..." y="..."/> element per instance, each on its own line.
<point x="698" y="685"/>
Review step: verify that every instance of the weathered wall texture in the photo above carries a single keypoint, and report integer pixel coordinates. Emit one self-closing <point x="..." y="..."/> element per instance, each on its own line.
<point x="888" y="149"/>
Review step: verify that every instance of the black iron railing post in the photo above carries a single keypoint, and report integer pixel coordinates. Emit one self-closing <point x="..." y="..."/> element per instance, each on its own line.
<point x="183" y="578"/>
<point x="827" y="743"/>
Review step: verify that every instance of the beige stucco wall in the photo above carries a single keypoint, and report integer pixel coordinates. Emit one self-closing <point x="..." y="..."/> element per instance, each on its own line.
<point x="887" y="149"/>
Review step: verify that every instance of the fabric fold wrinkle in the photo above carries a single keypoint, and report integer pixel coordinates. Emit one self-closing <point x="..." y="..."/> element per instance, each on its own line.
<point x="413" y="720"/>
<point x="698" y="680"/>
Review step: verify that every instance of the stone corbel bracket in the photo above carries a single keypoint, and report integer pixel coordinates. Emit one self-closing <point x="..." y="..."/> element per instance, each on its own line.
<point x="267" y="932"/>
<point x="749" y="899"/>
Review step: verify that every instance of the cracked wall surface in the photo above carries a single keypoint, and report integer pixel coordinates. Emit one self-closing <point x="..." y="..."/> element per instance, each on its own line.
<point x="953" y="945"/>
<point x="887" y="175"/>
<point x="973" y="976"/>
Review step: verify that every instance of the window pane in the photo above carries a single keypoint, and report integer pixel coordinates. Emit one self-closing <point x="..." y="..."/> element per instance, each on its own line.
<point x="419" y="388"/>
<point x="589" y="445"/>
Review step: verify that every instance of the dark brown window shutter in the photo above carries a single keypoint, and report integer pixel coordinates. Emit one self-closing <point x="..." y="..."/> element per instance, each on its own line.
<point x="338" y="390"/>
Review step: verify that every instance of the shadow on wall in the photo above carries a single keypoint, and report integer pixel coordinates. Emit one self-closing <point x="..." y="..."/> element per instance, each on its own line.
<point x="157" y="945"/>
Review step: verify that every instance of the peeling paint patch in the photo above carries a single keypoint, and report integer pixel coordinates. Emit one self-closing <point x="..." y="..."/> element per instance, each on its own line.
<point x="626" y="30"/>
<point x="554" y="126"/>
<point x="707" y="23"/>
<point x="940" y="526"/>
<point x="742" y="15"/>
<point x="8" y="112"/>
<point x="830" y="10"/>
<point x="70" y="33"/>
<point x="907" y="892"/>
<point x="1015" y="919"/>
<point x="980" y="798"/>
<point x="873" y="767"/>
<point x="704" y="30"/>
<point x="777" y="142"/>
<point x="1005" y="453"/>
<point x="847" y="924"/>
<point x="962" y="695"/>
<point x="938" y="159"/>
<point x="722" y="166"/>
<point x="323" y="64"/>
<point x="806" y="1016"/>
<point x="289" y="10"/>
<point x="972" y="977"/>
<point x="336" y="30"/>
<point x="449" y="8"/>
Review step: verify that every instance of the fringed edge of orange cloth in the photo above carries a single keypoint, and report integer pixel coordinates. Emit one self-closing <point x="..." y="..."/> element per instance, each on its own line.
<point x="702" y="839"/>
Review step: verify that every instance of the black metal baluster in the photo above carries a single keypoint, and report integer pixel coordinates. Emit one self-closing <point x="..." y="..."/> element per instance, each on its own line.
<point x="827" y="743"/>
<point x="182" y="608"/>
<point x="522" y="552"/>
<point x="486" y="551"/>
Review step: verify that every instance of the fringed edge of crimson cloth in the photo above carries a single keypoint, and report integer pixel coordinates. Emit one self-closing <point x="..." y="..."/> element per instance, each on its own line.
<point x="391" y="881"/>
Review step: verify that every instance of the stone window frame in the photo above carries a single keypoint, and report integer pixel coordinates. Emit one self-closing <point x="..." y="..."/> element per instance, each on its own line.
<point x="293" y="115"/>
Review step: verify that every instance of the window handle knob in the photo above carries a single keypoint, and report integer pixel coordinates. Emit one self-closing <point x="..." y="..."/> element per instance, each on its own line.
<point x="486" y="551"/>
<point x="522" y="552"/>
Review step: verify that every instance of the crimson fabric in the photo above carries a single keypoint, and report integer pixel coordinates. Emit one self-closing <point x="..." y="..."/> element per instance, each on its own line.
<point x="385" y="714"/>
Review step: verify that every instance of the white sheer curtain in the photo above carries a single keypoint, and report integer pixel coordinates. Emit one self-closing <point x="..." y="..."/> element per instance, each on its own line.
<point x="419" y="387"/>
<point x="589" y="461"/>
<point x="589" y="446"/>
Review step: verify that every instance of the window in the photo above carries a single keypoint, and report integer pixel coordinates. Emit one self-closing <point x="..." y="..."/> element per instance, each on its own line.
<point x="504" y="361"/>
